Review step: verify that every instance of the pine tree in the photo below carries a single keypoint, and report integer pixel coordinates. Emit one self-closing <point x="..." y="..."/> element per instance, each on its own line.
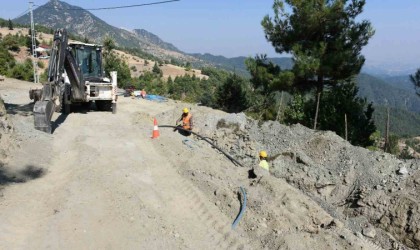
<point x="323" y="37"/>
<point x="156" y="69"/>
<point x="232" y="95"/>
<point x="266" y="78"/>
<point x="340" y="101"/>
<point x="415" y="79"/>
<point x="10" y="25"/>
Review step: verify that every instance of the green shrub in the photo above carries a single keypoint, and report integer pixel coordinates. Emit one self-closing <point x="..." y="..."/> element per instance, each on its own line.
<point x="41" y="64"/>
<point x="22" y="71"/>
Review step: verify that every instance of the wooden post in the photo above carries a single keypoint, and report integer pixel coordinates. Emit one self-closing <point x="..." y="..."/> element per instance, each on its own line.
<point x="386" y="146"/>
<point x="317" y="108"/>
<point x="279" y="110"/>
<point x="345" y="124"/>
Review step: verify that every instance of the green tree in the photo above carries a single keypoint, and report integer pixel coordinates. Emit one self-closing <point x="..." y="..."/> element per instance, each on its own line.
<point x="7" y="61"/>
<point x="266" y="79"/>
<point x="415" y="79"/>
<point x="11" y="42"/>
<point x="10" y="25"/>
<point x="23" y="71"/>
<point x="188" y="66"/>
<point x="232" y="95"/>
<point x="170" y="81"/>
<point x="340" y="101"/>
<point x="114" y="63"/>
<point x="295" y="112"/>
<point x="323" y="37"/>
<point x="393" y="145"/>
<point x="156" y="69"/>
<point x="109" y="45"/>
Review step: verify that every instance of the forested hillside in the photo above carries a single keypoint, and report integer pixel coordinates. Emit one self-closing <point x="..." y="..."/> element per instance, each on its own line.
<point x="381" y="93"/>
<point x="402" y="122"/>
<point x="237" y="64"/>
<point x="402" y="82"/>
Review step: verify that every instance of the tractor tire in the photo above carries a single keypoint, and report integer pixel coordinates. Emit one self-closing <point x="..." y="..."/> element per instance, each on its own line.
<point x="65" y="105"/>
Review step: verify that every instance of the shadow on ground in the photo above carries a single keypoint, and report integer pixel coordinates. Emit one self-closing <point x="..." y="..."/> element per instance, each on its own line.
<point x="80" y="109"/>
<point x="24" y="175"/>
<point x="60" y="119"/>
<point x="15" y="109"/>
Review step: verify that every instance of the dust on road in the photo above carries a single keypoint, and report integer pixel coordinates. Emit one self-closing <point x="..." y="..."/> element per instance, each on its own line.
<point x="103" y="183"/>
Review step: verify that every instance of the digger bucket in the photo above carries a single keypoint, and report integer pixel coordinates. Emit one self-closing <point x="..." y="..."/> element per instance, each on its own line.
<point x="43" y="111"/>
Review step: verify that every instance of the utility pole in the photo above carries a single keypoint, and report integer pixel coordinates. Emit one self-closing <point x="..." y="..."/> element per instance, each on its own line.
<point x="279" y="109"/>
<point x="317" y="108"/>
<point x="33" y="39"/>
<point x="387" y="146"/>
<point x="345" y="124"/>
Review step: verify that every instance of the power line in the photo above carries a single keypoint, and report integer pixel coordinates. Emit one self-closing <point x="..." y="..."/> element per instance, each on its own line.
<point x="22" y="14"/>
<point x="122" y="7"/>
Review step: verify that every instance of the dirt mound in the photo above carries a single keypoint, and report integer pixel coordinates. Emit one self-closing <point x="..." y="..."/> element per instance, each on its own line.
<point x="178" y="192"/>
<point x="373" y="193"/>
<point x="6" y="129"/>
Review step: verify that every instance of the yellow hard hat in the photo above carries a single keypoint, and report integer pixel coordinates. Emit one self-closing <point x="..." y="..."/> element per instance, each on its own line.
<point x="263" y="154"/>
<point x="185" y="110"/>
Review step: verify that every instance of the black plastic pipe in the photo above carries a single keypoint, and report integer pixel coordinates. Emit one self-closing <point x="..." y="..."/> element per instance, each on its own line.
<point x="205" y="139"/>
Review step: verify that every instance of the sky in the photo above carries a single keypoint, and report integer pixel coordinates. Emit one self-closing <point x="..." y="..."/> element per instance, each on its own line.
<point x="233" y="27"/>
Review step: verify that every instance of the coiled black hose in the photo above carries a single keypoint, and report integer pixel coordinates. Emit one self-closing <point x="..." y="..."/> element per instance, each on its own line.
<point x="205" y="139"/>
<point x="243" y="205"/>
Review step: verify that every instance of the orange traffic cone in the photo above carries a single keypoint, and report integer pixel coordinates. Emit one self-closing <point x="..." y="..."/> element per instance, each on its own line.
<point x="155" y="133"/>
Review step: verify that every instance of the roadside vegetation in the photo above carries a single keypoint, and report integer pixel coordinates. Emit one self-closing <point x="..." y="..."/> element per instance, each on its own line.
<point x="8" y="66"/>
<point x="318" y="91"/>
<point x="322" y="80"/>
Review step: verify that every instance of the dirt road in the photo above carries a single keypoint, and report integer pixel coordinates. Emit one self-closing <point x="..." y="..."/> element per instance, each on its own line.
<point x="100" y="182"/>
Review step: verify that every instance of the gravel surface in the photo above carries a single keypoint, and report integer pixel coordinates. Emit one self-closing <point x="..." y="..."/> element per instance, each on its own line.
<point x="100" y="182"/>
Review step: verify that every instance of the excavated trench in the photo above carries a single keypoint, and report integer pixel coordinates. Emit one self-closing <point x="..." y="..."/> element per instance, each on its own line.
<point x="373" y="193"/>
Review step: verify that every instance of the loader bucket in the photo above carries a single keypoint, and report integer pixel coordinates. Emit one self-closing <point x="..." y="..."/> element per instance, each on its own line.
<point x="43" y="111"/>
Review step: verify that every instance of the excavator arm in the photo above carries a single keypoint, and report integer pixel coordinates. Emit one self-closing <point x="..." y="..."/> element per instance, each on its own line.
<point x="61" y="61"/>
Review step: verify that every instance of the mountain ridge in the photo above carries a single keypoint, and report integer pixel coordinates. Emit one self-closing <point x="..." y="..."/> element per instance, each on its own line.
<point x="58" y="14"/>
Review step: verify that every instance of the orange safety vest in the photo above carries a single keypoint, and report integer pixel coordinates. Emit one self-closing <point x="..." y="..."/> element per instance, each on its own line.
<point x="186" y="121"/>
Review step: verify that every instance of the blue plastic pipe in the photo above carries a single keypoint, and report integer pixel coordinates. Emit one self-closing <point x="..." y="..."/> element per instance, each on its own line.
<point x="241" y="213"/>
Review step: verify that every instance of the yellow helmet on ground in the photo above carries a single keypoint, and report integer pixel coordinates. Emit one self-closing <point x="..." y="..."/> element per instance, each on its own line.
<point x="185" y="110"/>
<point x="263" y="154"/>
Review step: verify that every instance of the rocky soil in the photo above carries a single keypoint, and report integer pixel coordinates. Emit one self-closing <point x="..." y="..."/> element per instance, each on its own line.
<point x="99" y="181"/>
<point x="6" y="130"/>
<point x="372" y="193"/>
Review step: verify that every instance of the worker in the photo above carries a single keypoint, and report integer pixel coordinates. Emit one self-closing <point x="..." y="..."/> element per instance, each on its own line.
<point x="143" y="94"/>
<point x="187" y="122"/>
<point x="263" y="161"/>
<point x="263" y="169"/>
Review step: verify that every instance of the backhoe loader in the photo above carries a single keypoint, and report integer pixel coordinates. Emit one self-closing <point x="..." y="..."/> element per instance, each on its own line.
<point x="75" y="76"/>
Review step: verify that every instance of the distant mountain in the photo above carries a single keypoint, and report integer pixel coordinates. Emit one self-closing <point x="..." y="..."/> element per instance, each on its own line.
<point x="382" y="93"/>
<point x="394" y="93"/>
<point x="154" y="39"/>
<point x="401" y="82"/>
<point x="58" y="14"/>
<point x="402" y="123"/>
<point x="238" y="63"/>
<point x="389" y="69"/>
